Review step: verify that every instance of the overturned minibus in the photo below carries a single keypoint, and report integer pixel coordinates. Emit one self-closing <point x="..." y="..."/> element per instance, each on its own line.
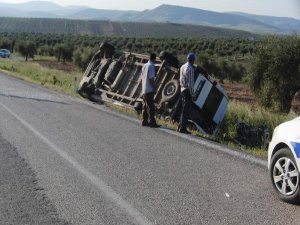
<point x="114" y="75"/>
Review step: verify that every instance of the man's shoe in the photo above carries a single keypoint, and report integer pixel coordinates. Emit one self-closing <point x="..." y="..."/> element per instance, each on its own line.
<point x="144" y="124"/>
<point x="184" y="131"/>
<point x="178" y="128"/>
<point x="154" y="125"/>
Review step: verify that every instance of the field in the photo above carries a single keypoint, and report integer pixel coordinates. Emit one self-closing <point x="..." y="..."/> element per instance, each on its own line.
<point x="109" y="28"/>
<point x="241" y="93"/>
<point x="66" y="67"/>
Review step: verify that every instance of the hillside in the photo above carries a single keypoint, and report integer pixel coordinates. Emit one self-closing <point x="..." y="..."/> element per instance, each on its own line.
<point x="94" y="27"/>
<point x="285" y="24"/>
<point x="187" y="15"/>
<point x="100" y="14"/>
<point x="40" y="9"/>
<point x="162" y="14"/>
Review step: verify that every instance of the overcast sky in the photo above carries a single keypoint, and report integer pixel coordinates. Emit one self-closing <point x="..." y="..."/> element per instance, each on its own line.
<point x="288" y="8"/>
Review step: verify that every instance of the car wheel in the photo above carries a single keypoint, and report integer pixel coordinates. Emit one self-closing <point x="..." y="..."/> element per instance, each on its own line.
<point x="107" y="49"/>
<point x="138" y="107"/>
<point x="86" y="90"/>
<point x="285" y="176"/>
<point x="170" y="91"/>
<point x="169" y="58"/>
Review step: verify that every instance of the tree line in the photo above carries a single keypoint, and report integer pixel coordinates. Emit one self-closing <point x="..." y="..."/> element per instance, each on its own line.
<point x="115" y="28"/>
<point x="79" y="49"/>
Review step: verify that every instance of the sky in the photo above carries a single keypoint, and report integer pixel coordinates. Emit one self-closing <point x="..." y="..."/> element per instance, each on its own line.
<point x="285" y="8"/>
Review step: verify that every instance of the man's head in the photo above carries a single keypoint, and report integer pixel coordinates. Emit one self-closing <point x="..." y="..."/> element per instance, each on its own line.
<point x="191" y="58"/>
<point x="152" y="57"/>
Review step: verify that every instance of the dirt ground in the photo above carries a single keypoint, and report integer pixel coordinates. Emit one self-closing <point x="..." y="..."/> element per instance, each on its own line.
<point x="68" y="67"/>
<point x="242" y="93"/>
<point x="239" y="93"/>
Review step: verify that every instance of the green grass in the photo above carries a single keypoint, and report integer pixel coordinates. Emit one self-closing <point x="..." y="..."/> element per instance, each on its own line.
<point x="65" y="82"/>
<point x="50" y="78"/>
<point x="48" y="58"/>
<point x="254" y="116"/>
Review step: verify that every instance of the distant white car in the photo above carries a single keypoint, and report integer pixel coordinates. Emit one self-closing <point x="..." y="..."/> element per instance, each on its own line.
<point x="284" y="160"/>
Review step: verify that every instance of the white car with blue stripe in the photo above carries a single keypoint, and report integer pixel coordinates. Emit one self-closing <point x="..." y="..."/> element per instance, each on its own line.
<point x="284" y="160"/>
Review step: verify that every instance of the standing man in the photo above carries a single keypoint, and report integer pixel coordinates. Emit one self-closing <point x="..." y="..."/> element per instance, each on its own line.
<point x="148" y="89"/>
<point x="187" y="92"/>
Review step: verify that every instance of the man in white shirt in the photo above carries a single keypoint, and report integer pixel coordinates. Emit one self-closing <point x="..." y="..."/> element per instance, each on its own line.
<point x="148" y="90"/>
<point x="187" y="92"/>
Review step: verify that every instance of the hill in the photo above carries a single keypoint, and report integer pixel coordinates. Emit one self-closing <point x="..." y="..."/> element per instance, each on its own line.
<point x="285" y="24"/>
<point x="162" y="14"/>
<point x="187" y="15"/>
<point x="41" y="9"/>
<point x="100" y="14"/>
<point x="130" y="29"/>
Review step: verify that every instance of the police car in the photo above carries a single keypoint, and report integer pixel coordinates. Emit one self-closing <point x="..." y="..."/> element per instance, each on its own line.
<point x="284" y="160"/>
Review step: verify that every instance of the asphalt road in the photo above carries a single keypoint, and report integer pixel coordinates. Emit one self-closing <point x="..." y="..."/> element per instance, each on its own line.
<point x="67" y="161"/>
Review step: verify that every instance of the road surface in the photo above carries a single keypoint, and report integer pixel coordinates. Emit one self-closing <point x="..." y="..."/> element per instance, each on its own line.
<point x="64" y="160"/>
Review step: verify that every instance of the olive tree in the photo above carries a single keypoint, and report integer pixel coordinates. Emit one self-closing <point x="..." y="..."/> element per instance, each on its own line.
<point x="63" y="52"/>
<point x="5" y="43"/>
<point x="275" y="72"/>
<point x="27" y="49"/>
<point x="82" y="57"/>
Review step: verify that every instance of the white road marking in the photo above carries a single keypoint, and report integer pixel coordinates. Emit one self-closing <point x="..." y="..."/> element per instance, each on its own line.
<point x="101" y="185"/>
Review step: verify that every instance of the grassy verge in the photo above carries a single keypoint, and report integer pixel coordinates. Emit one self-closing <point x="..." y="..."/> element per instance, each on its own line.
<point x="253" y="116"/>
<point x="51" y="78"/>
<point x="67" y="82"/>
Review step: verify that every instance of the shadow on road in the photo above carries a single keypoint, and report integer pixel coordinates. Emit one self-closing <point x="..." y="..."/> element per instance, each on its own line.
<point x="34" y="99"/>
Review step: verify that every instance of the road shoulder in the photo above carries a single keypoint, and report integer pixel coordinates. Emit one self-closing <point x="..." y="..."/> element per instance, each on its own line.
<point x="23" y="201"/>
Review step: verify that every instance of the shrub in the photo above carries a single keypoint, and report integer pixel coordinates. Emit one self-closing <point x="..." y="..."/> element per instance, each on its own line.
<point x="275" y="72"/>
<point x="253" y="116"/>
